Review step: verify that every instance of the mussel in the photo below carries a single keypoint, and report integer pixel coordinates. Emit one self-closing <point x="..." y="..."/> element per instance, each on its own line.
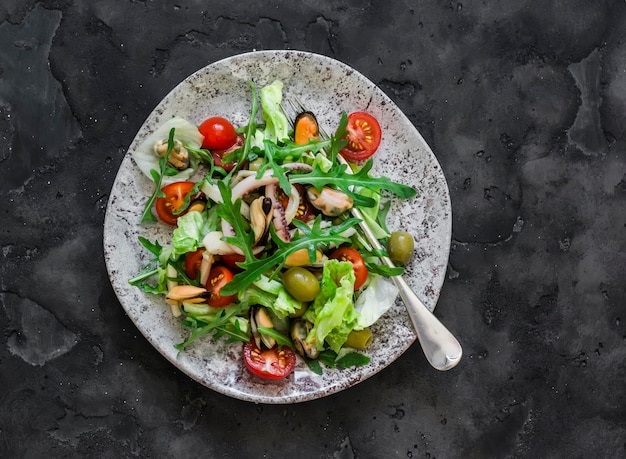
<point x="259" y="317"/>
<point x="329" y="201"/>
<point x="188" y="293"/>
<point x="305" y="128"/>
<point x="300" y="329"/>
<point x="179" y="156"/>
<point x="260" y="217"/>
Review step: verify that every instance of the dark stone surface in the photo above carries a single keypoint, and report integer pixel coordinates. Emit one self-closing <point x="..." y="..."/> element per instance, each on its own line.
<point x="523" y="102"/>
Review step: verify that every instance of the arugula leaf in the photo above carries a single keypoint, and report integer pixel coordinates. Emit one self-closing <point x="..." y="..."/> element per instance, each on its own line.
<point x="231" y="212"/>
<point x="383" y="270"/>
<point x="352" y="359"/>
<point x="274" y="155"/>
<point x="241" y="154"/>
<point x="221" y="324"/>
<point x="314" y="237"/>
<point x="140" y="280"/>
<point x="153" y="247"/>
<point x="233" y="331"/>
<point x="345" y="181"/>
<point x="281" y="339"/>
<point x="339" y="139"/>
<point x="206" y="158"/>
<point x="314" y="366"/>
<point x="278" y="171"/>
<point x="381" y="218"/>
<point x="330" y="358"/>
<point x="157" y="176"/>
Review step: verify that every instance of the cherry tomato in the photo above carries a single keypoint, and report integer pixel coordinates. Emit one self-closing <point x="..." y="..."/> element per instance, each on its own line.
<point x="274" y="363"/>
<point x="358" y="264"/>
<point x="174" y="198"/>
<point x="193" y="260"/>
<point x="232" y="259"/>
<point x="305" y="209"/>
<point x="363" y="137"/>
<point x="218" y="277"/>
<point x="218" y="155"/>
<point x="218" y="133"/>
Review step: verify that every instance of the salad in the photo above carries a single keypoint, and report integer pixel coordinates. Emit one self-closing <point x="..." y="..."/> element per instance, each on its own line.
<point x="263" y="247"/>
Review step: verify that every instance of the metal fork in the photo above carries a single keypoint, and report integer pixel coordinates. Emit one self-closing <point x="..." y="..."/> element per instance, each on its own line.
<point x="441" y="348"/>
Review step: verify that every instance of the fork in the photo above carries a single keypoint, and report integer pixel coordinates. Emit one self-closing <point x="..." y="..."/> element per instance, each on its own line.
<point x="441" y="348"/>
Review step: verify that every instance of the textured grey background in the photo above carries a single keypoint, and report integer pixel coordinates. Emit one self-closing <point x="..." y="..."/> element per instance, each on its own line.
<point x="524" y="104"/>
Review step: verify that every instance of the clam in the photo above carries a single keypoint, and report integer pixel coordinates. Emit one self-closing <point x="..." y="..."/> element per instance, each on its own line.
<point x="329" y="201"/>
<point x="259" y="317"/>
<point x="300" y="329"/>
<point x="179" y="156"/>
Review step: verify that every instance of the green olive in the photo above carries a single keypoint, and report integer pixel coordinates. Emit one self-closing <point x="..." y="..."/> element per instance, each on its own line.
<point x="400" y="247"/>
<point x="359" y="339"/>
<point x="301" y="283"/>
<point x="256" y="164"/>
<point x="300" y="311"/>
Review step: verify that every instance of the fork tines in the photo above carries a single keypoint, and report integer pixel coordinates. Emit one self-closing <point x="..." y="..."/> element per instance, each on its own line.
<point x="292" y="106"/>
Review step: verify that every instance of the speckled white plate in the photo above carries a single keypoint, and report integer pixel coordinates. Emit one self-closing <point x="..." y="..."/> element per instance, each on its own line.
<point x="327" y="87"/>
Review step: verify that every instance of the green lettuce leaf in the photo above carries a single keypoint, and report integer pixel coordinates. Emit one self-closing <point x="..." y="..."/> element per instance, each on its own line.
<point x="271" y="294"/>
<point x="276" y="123"/>
<point x="186" y="132"/>
<point x="191" y="229"/>
<point x="332" y="313"/>
<point x="374" y="301"/>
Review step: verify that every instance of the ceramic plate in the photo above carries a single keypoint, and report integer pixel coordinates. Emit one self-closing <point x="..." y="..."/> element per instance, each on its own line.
<point x="327" y="87"/>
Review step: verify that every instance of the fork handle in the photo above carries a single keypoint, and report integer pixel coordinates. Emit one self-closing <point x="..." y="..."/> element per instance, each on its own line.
<point x="441" y="348"/>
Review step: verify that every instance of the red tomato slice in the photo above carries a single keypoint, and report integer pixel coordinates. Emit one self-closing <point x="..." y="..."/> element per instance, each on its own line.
<point x="218" y="133"/>
<point x="363" y="137"/>
<point x="218" y="155"/>
<point x="218" y="277"/>
<point x="193" y="260"/>
<point x="174" y="199"/>
<point x="274" y="363"/>
<point x="358" y="264"/>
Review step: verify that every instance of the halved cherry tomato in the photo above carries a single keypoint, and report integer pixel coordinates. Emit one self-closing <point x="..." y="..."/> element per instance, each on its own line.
<point x="193" y="260"/>
<point x="218" y="155"/>
<point x="218" y="277"/>
<point x="274" y="363"/>
<point x="305" y="209"/>
<point x="232" y="259"/>
<point x="363" y="137"/>
<point x="218" y="133"/>
<point x="358" y="264"/>
<point x="174" y="198"/>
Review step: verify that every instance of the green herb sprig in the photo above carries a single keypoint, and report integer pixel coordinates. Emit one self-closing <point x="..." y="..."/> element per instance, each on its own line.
<point x="220" y="326"/>
<point x="339" y="178"/>
<point x="157" y="176"/>
<point x="314" y="237"/>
